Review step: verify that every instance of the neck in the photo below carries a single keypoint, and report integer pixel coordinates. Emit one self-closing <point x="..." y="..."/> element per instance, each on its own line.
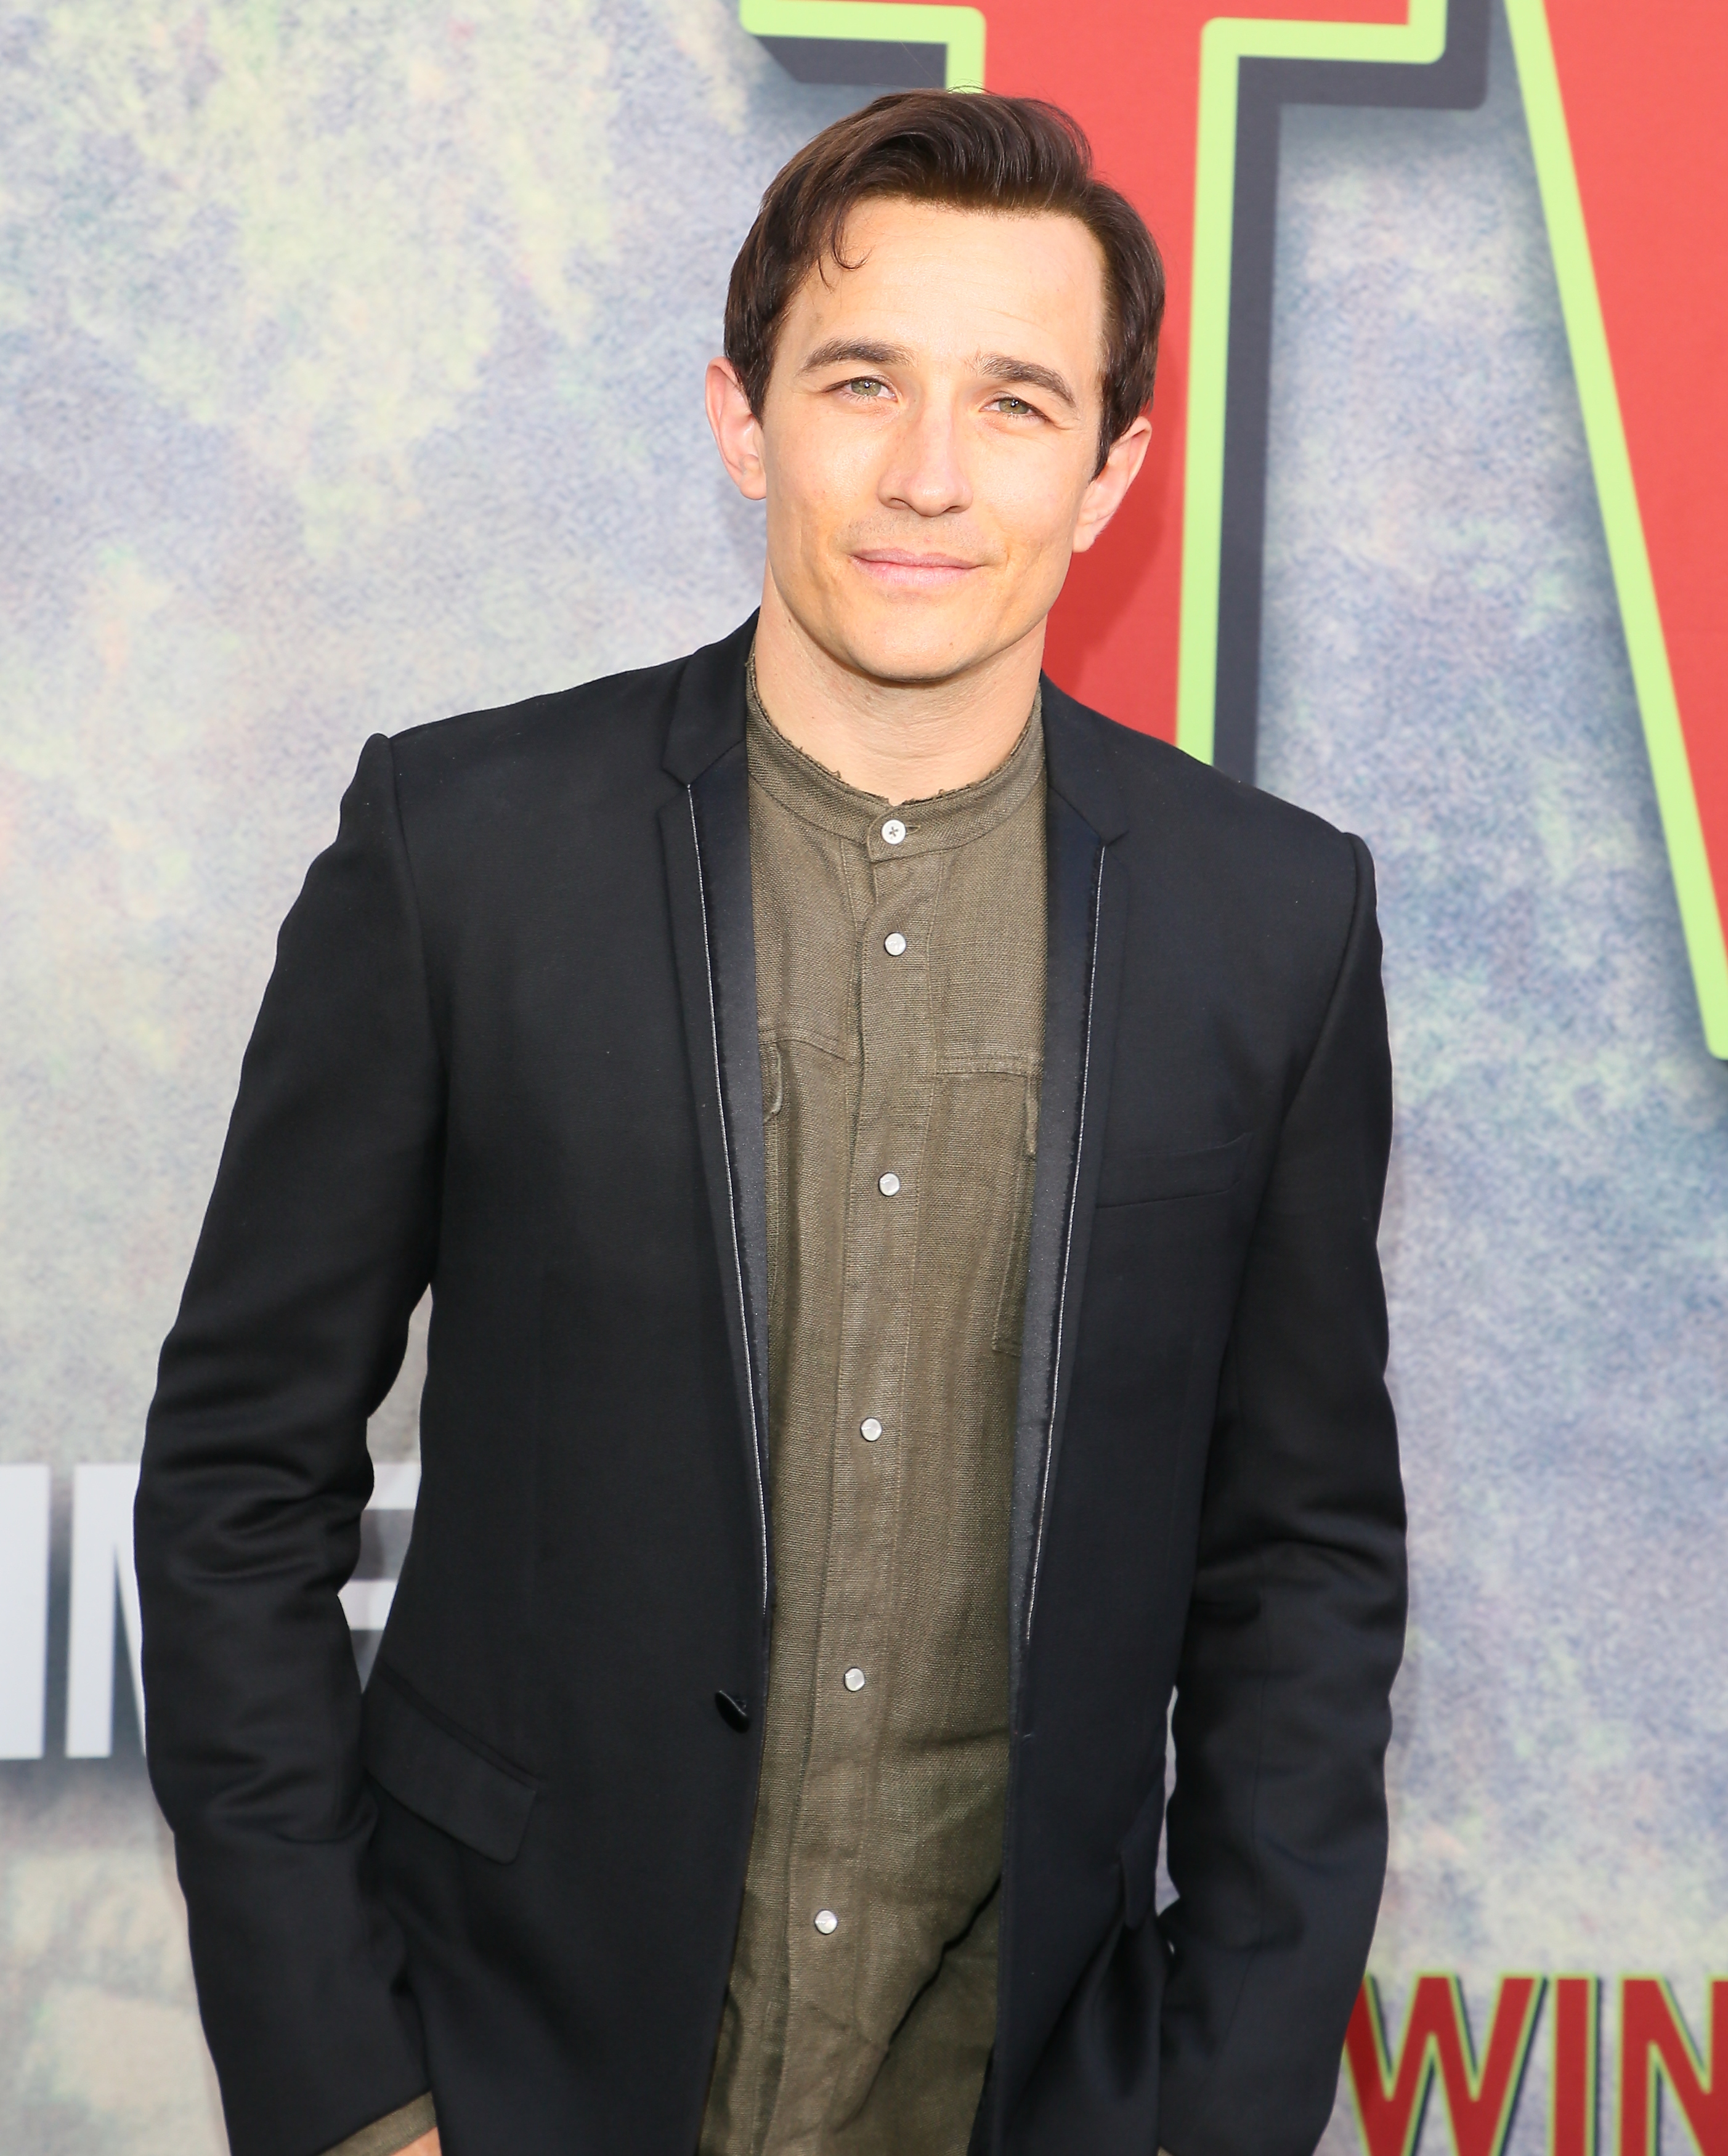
<point x="903" y="741"/>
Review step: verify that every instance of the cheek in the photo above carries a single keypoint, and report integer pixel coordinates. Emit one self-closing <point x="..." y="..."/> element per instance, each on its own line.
<point x="818" y="487"/>
<point x="802" y="516"/>
<point x="1035" y="501"/>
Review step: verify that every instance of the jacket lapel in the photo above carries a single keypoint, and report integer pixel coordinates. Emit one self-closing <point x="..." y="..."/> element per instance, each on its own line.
<point x="1087" y="912"/>
<point x="706" y="831"/>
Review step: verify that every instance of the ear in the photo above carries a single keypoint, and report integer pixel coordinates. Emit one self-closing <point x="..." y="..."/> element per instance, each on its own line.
<point x="1102" y="497"/>
<point x="737" y="433"/>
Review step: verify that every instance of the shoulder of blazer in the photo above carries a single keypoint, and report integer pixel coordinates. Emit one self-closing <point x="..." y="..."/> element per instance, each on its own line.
<point x="1273" y="871"/>
<point x="596" y="725"/>
<point x="600" y="748"/>
<point x="654" y="727"/>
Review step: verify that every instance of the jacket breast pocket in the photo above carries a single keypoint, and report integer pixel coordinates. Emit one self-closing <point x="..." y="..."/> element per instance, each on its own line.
<point x="1140" y="1176"/>
<point x="442" y="1777"/>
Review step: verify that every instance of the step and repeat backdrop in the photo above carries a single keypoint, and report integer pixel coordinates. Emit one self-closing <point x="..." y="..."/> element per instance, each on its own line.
<point x="350" y="374"/>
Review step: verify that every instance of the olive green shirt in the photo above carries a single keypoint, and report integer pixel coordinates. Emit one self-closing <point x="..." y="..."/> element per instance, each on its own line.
<point x="390" y="2136"/>
<point x="900" y="1002"/>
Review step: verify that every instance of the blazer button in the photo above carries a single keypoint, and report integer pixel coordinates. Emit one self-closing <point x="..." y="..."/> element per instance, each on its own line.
<point x="731" y="1710"/>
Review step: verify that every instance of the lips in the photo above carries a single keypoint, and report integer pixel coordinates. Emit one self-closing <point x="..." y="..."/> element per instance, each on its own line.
<point x="912" y="572"/>
<point x="898" y="558"/>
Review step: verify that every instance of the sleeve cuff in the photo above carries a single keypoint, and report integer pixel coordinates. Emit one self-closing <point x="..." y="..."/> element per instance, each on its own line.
<point x="385" y="2136"/>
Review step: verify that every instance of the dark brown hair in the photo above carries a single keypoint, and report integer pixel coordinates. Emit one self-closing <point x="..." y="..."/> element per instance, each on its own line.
<point x="971" y="149"/>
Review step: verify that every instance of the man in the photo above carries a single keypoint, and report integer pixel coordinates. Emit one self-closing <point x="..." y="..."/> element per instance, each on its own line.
<point x="897" y="1158"/>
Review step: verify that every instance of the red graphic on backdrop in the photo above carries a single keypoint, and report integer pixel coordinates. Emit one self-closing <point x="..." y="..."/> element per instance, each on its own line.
<point x="1643" y="89"/>
<point x="1479" y="2101"/>
<point x="1656" y="2048"/>
<point x="1659" y="2065"/>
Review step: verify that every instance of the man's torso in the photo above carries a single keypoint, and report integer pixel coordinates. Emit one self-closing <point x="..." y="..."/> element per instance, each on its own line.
<point x="900" y="991"/>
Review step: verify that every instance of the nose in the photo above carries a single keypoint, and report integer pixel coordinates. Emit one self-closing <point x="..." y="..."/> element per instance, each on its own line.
<point x="926" y="471"/>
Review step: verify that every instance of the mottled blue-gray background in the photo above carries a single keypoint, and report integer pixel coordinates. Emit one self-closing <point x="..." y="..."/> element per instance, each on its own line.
<point x="350" y="362"/>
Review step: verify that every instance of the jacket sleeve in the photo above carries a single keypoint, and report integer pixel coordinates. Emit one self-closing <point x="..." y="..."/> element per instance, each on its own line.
<point x="318" y="1242"/>
<point x="1277" y="1824"/>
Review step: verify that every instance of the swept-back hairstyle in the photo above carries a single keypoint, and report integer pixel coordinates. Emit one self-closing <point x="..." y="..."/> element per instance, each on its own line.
<point x="970" y="149"/>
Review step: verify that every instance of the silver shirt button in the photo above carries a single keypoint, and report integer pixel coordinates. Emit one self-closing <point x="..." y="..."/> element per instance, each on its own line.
<point x="894" y="944"/>
<point x="826" y="1922"/>
<point x="888" y="1184"/>
<point x="854" y="1680"/>
<point x="870" y="1430"/>
<point x="893" y="831"/>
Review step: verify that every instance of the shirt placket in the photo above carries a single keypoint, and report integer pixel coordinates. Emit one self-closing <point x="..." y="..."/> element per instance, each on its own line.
<point x="825" y="1930"/>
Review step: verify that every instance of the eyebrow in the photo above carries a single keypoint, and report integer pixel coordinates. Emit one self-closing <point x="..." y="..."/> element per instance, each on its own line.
<point x="999" y="366"/>
<point x="859" y="351"/>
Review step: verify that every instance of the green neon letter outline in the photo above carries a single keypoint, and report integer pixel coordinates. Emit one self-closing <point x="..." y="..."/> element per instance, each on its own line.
<point x="958" y="30"/>
<point x="1225" y="43"/>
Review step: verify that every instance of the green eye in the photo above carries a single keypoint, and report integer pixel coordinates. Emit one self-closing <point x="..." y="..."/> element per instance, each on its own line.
<point x="866" y="385"/>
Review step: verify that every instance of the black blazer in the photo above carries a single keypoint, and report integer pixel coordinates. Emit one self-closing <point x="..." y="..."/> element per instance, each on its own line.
<point x="509" y="1048"/>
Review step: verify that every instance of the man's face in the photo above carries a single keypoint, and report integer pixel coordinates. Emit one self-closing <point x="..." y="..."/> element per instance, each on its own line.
<point x="928" y="440"/>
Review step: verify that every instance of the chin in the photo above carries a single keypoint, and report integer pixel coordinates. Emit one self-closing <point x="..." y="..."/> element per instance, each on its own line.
<point x="909" y="648"/>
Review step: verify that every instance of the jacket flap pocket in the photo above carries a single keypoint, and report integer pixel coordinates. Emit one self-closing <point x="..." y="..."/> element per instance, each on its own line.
<point x="1136" y="1177"/>
<point x="440" y="1776"/>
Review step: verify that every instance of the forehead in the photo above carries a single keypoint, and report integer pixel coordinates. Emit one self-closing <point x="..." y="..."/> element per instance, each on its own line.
<point x="945" y="283"/>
